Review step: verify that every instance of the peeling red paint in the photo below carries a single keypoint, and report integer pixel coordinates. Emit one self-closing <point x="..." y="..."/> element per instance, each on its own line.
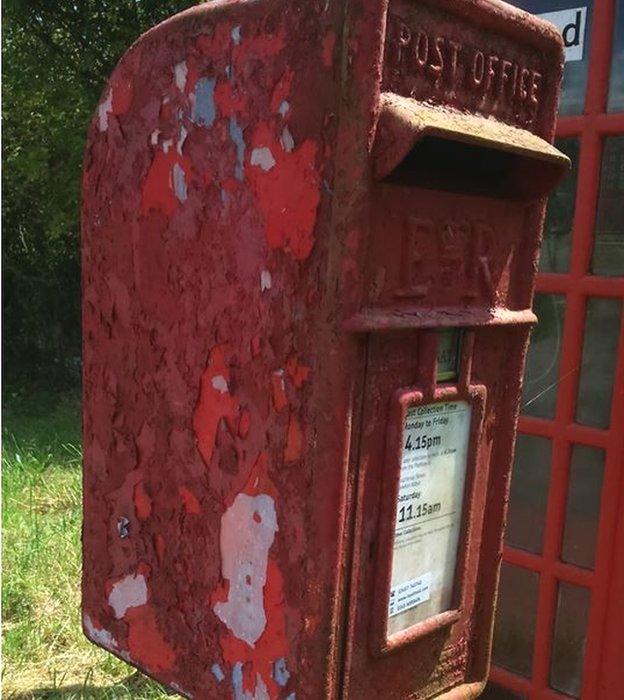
<point x="280" y="401"/>
<point x="158" y="193"/>
<point x="281" y="89"/>
<point x="215" y="403"/>
<point x="189" y="499"/>
<point x="228" y="100"/>
<point x="142" y="502"/>
<point x="288" y="194"/>
<point x="272" y="645"/>
<point x="122" y="95"/>
<point x="298" y="373"/>
<point x="294" y="440"/>
<point x="244" y="424"/>
<point x="146" y="644"/>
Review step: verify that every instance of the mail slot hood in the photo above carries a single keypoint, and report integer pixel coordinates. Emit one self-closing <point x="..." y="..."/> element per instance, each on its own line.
<point x="442" y="148"/>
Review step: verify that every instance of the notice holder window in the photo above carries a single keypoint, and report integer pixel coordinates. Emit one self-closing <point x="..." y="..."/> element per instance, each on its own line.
<point x="426" y="512"/>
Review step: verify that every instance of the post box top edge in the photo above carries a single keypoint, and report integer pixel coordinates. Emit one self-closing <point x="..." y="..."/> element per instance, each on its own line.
<point x="509" y="19"/>
<point x="216" y="10"/>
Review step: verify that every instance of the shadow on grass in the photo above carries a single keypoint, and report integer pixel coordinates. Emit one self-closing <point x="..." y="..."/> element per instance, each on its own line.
<point x="135" y="685"/>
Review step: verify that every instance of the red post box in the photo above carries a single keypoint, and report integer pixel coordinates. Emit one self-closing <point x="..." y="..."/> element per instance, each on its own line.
<point x="310" y="239"/>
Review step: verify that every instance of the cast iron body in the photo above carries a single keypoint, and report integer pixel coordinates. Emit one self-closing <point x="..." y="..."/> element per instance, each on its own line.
<point x="283" y="202"/>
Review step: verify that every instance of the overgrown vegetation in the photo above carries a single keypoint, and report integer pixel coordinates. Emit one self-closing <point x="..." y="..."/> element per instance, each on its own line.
<point x="56" y="59"/>
<point x="45" y="654"/>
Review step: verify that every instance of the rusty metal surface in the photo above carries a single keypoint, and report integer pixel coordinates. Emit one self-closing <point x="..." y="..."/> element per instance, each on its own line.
<point x="232" y="232"/>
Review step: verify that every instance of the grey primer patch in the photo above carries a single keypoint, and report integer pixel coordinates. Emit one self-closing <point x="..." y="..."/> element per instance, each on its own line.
<point x="288" y="143"/>
<point x="263" y="158"/>
<point x="237" y="681"/>
<point x="179" y="182"/>
<point x="283" y="108"/>
<point x="217" y="672"/>
<point x="204" y="110"/>
<point x="280" y="672"/>
<point x="236" y="36"/>
<point x="248" y="529"/>
<point x="236" y="134"/>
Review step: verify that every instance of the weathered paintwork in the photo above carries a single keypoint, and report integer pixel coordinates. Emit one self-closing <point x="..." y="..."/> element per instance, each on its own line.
<point x="252" y="298"/>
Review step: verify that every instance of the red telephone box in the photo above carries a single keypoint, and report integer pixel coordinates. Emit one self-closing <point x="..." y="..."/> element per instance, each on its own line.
<point x="310" y="242"/>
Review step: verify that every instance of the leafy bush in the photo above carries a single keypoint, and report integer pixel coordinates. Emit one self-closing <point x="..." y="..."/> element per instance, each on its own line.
<point x="56" y="59"/>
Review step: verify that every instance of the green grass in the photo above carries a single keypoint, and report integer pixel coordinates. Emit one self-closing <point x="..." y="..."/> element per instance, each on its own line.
<point x="44" y="652"/>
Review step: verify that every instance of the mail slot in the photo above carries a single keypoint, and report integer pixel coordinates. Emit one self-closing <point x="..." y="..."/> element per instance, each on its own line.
<point x="310" y="238"/>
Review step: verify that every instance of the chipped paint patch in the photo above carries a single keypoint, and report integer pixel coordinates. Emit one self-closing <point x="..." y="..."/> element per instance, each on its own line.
<point x="280" y="672"/>
<point x="261" y="692"/>
<point x="181" y="139"/>
<point x="227" y="100"/>
<point x="179" y="183"/>
<point x="287" y="141"/>
<point x="220" y="383"/>
<point x="284" y="108"/>
<point x="98" y="634"/>
<point x="165" y="184"/>
<point x="248" y="529"/>
<point x="142" y="502"/>
<point x="129" y="592"/>
<point x="294" y="440"/>
<point x="117" y="101"/>
<point x="105" y="108"/>
<point x="288" y="195"/>
<point x="265" y="280"/>
<point x="180" y="71"/>
<point x="263" y="158"/>
<point x="213" y="404"/>
<point x="236" y="34"/>
<point x="217" y="672"/>
<point x="236" y="134"/>
<point x="281" y="89"/>
<point x="189" y="499"/>
<point x="204" y="111"/>
<point x="279" y="390"/>
<point x="297" y="371"/>
<point x="146" y="643"/>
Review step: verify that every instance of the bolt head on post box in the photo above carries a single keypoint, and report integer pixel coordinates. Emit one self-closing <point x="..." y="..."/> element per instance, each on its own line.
<point x="310" y="238"/>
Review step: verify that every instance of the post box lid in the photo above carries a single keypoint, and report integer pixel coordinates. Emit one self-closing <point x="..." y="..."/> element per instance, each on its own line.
<point x="403" y="122"/>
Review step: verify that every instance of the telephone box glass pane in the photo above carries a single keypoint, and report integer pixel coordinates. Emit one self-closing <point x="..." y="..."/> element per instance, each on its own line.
<point x="429" y="512"/>
<point x="539" y="392"/>
<point x="529" y="493"/>
<point x="555" y="254"/>
<point x="616" y="85"/>
<point x="608" y="257"/>
<point x="574" y="22"/>
<point x="602" y="328"/>
<point x="583" y="506"/>
<point x="566" y="666"/>
<point x="514" y="627"/>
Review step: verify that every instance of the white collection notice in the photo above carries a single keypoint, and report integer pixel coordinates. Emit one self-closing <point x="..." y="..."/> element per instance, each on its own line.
<point x="429" y="512"/>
